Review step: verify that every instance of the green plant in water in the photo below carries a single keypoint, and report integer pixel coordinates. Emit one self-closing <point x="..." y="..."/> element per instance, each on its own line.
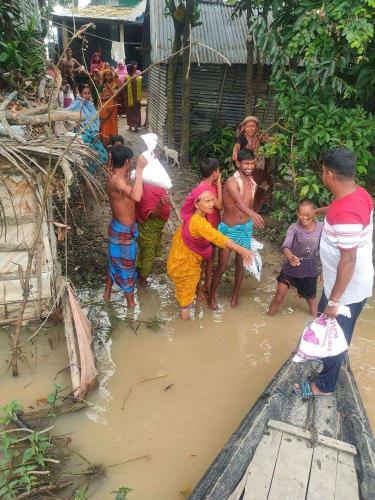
<point x="80" y="495"/>
<point x="122" y="493"/>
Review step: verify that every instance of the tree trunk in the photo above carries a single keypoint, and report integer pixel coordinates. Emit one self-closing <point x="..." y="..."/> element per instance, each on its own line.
<point x="171" y="86"/>
<point x="249" y="76"/>
<point x="259" y="77"/>
<point x="186" y="86"/>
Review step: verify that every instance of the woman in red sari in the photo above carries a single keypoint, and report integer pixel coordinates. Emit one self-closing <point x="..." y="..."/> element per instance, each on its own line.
<point x="96" y="63"/>
<point x="108" y="110"/>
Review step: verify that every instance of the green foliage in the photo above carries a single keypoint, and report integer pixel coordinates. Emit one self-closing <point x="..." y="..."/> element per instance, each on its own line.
<point x="122" y="493"/>
<point x="21" y="453"/>
<point x="322" y="57"/>
<point x="22" y="50"/>
<point x="9" y="411"/>
<point x="218" y="143"/>
<point x="80" y="495"/>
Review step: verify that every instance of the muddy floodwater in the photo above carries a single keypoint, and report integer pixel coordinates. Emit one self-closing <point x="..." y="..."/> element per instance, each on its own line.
<point x="173" y="393"/>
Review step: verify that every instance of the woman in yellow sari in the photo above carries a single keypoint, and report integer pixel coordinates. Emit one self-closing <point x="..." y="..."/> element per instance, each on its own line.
<point x="191" y="244"/>
<point x="108" y="110"/>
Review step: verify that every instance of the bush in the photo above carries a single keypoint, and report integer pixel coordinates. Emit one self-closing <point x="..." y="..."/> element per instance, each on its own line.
<point x="218" y="142"/>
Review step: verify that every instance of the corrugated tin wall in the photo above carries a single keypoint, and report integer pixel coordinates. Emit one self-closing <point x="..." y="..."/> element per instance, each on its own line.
<point x="216" y="91"/>
<point x="157" y="101"/>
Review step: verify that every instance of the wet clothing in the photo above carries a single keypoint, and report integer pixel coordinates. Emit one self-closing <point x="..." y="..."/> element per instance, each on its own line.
<point x="184" y="265"/>
<point x="305" y="245"/>
<point x="306" y="287"/>
<point x="122" y="252"/>
<point x="240" y="233"/>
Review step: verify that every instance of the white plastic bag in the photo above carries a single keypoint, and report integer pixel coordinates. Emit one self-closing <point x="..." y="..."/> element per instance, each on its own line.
<point x="322" y="338"/>
<point x="255" y="266"/>
<point x="154" y="173"/>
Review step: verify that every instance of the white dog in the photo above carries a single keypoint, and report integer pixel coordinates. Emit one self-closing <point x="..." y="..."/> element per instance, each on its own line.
<point x="171" y="153"/>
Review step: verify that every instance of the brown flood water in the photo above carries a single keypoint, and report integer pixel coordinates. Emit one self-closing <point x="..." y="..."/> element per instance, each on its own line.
<point x="214" y="367"/>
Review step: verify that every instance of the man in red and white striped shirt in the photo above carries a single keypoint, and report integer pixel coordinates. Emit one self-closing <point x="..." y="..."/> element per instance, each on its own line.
<point x="346" y="256"/>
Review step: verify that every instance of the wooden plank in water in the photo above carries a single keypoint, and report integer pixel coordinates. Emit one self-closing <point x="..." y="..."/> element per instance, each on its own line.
<point x="262" y="467"/>
<point x="292" y="470"/>
<point x="346" y="478"/>
<point x="322" y="481"/>
<point x="324" y="440"/>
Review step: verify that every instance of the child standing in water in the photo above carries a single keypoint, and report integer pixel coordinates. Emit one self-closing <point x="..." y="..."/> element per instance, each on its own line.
<point x="300" y="269"/>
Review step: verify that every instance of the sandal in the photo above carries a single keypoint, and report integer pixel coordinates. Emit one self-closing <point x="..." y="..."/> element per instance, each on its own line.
<point x="304" y="391"/>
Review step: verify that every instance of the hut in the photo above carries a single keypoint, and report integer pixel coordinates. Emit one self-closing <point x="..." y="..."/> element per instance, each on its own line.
<point x="23" y="172"/>
<point x="116" y="34"/>
<point x="218" y="89"/>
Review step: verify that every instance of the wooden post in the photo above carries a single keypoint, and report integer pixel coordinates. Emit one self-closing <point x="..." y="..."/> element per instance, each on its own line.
<point x="186" y="85"/>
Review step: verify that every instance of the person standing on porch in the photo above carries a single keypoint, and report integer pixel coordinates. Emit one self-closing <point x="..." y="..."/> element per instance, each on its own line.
<point x="346" y="257"/>
<point x="133" y="99"/>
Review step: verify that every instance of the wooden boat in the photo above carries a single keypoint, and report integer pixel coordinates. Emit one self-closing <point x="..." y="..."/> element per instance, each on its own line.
<point x="288" y="448"/>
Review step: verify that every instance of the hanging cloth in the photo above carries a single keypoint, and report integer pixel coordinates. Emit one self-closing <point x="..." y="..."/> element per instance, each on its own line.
<point x="118" y="51"/>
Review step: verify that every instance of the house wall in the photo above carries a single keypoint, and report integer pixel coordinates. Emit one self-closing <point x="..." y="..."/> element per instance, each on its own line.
<point x="20" y="202"/>
<point x="216" y="91"/>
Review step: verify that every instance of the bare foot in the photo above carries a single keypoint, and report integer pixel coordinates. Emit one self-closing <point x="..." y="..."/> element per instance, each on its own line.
<point x="202" y="296"/>
<point x="234" y="302"/>
<point x="184" y="313"/>
<point x="212" y="304"/>
<point x="107" y="295"/>
<point x="142" y="282"/>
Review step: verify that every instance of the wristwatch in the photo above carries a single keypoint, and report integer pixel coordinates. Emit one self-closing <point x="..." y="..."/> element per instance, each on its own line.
<point x="332" y="303"/>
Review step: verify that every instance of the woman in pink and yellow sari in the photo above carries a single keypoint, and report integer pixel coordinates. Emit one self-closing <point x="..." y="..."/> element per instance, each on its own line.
<point x="192" y="244"/>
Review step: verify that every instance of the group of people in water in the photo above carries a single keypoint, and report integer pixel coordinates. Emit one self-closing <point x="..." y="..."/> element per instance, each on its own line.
<point x="220" y="219"/>
<point x="100" y="88"/>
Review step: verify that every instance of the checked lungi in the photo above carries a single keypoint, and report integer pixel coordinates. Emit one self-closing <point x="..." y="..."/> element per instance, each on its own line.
<point x="240" y="233"/>
<point x="122" y="252"/>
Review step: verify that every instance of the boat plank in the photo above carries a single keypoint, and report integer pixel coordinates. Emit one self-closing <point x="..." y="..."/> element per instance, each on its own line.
<point x="323" y="474"/>
<point x="324" y="440"/>
<point x="262" y="467"/>
<point x="346" y="478"/>
<point x="292" y="469"/>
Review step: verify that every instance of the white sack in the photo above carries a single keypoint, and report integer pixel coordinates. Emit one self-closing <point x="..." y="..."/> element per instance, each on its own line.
<point x="322" y="338"/>
<point x="154" y="173"/>
<point x="255" y="266"/>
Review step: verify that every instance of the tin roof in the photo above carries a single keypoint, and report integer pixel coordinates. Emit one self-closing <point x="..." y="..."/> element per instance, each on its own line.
<point x="218" y="31"/>
<point x="102" y="12"/>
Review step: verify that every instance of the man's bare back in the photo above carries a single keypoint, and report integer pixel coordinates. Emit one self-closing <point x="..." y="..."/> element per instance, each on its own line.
<point x="122" y="206"/>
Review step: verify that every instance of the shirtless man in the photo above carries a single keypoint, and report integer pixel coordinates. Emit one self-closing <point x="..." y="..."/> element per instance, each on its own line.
<point x="68" y="67"/>
<point x="123" y="230"/>
<point x="238" y="220"/>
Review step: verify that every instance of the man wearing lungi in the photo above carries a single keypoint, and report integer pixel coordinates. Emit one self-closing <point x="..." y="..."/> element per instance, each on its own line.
<point x="123" y="231"/>
<point x="237" y="223"/>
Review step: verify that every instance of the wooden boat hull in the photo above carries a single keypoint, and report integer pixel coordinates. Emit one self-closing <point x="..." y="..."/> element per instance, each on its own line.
<point x="341" y="416"/>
